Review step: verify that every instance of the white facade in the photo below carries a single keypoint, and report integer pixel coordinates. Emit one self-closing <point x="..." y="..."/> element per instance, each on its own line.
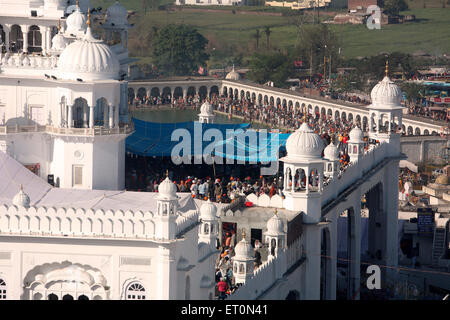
<point x="62" y="96"/>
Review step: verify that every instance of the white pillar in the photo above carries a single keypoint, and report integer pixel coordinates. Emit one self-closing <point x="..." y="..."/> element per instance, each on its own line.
<point x="25" y="30"/>
<point x="70" y="124"/>
<point x="85" y="116"/>
<point x="116" y="116"/>
<point x="111" y="115"/>
<point x="7" y="30"/>
<point x="91" y="117"/>
<point x="311" y="277"/>
<point x="166" y="280"/>
<point x="48" y="34"/>
<point x="355" y="251"/>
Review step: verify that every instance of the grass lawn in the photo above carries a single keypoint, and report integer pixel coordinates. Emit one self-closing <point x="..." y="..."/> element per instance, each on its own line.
<point x="232" y="34"/>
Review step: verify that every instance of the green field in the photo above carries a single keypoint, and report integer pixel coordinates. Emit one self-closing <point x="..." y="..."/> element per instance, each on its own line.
<point x="233" y="34"/>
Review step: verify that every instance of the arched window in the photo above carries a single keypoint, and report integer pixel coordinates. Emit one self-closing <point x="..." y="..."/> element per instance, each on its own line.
<point x="34" y="39"/>
<point x="67" y="297"/>
<point x="206" y="228"/>
<point x="2" y="289"/>
<point x="135" y="291"/>
<point x="83" y="297"/>
<point x="52" y="296"/>
<point x="241" y="268"/>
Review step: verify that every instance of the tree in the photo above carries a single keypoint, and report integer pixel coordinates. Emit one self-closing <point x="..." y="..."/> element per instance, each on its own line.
<point x="257" y="36"/>
<point x="316" y="42"/>
<point x="274" y="66"/>
<point x="393" y="7"/>
<point x="412" y="91"/>
<point x="267" y="31"/>
<point x="179" y="50"/>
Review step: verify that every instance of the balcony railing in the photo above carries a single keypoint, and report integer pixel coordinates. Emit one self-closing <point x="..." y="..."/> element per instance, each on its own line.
<point x="96" y="131"/>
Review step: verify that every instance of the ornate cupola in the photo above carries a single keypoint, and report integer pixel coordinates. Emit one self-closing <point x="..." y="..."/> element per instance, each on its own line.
<point x="21" y="199"/>
<point x="88" y="59"/>
<point x="243" y="260"/>
<point x="303" y="173"/>
<point x="209" y="228"/>
<point x="386" y="112"/>
<point x="331" y="155"/>
<point x="233" y="75"/>
<point x="76" y="23"/>
<point x="167" y="208"/>
<point x="356" y="144"/>
<point x="275" y="234"/>
<point x="206" y="114"/>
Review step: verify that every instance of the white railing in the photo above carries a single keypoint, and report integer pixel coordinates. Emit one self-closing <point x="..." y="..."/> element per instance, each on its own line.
<point x="16" y="60"/>
<point x="96" y="131"/>
<point x="76" y="222"/>
<point x="186" y="221"/>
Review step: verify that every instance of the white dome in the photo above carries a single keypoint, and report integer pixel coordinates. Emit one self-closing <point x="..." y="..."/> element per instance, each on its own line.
<point x="356" y="135"/>
<point x="304" y="143"/>
<point x="275" y="226"/>
<point x="243" y="250"/>
<point x="233" y="75"/>
<point x="386" y="94"/>
<point x="331" y="152"/>
<point x="206" y="109"/>
<point x="117" y="15"/>
<point x="76" y="23"/>
<point x="167" y="190"/>
<point x="59" y="42"/>
<point x="21" y="199"/>
<point x="88" y="59"/>
<point x="208" y="211"/>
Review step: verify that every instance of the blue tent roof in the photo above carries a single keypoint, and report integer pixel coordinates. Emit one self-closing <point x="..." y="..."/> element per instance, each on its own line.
<point x="155" y="139"/>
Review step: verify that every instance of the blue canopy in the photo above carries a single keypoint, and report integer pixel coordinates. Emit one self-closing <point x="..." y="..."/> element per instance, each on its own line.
<point x="160" y="139"/>
<point x="252" y="146"/>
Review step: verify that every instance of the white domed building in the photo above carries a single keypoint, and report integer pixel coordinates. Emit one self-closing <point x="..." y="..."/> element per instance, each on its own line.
<point x="76" y="89"/>
<point x="206" y="114"/>
<point x="303" y="169"/>
<point x="356" y="144"/>
<point x="386" y="110"/>
<point x="233" y="75"/>
<point x="332" y="156"/>
<point x="243" y="260"/>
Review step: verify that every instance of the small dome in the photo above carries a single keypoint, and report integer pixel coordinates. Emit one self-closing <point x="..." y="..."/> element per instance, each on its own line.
<point x="76" y="23"/>
<point x="356" y="135"/>
<point x="206" y="109"/>
<point x="59" y="42"/>
<point x="331" y="152"/>
<point x="443" y="179"/>
<point x="167" y="190"/>
<point x="117" y="15"/>
<point x="88" y="59"/>
<point x="243" y="250"/>
<point x="275" y="226"/>
<point x="386" y="94"/>
<point x="233" y="75"/>
<point x="21" y="199"/>
<point x="208" y="211"/>
<point x="304" y="143"/>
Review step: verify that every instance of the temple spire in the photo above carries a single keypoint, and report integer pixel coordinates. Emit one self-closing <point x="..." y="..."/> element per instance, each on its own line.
<point x="386" y="70"/>
<point x="89" y="18"/>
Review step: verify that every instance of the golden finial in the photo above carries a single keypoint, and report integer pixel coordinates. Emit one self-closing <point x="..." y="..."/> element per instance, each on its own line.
<point x="59" y="25"/>
<point x="243" y="233"/>
<point x="89" y="18"/>
<point x="21" y="187"/>
<point x="332" y="139"/>
<point x="167" y="173"/>
<point x="78" y="4"/>
<point x="276" y="211"/>
<point x="386" y="70"/>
